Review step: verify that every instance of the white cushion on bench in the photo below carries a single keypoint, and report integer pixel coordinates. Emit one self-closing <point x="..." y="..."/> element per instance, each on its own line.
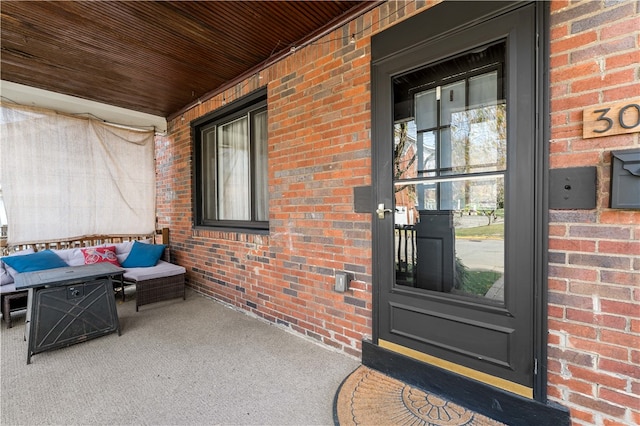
<point x="72" y="257"/>
<point x="161" y="270"/>
<point x="8" y="288"/>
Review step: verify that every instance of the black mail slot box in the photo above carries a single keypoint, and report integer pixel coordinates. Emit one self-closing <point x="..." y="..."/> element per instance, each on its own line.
<point x="625" y="179"/>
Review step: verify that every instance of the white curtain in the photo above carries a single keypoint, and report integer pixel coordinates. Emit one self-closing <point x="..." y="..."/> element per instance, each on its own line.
<point x="65" y="177"/>
<point x="233" y="171"/>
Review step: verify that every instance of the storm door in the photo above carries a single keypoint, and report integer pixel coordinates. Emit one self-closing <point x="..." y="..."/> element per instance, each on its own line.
<point x="454" y="159"/>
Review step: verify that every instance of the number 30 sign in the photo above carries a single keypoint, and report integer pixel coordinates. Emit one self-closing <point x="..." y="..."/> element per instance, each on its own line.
<point x="612" y="119"/>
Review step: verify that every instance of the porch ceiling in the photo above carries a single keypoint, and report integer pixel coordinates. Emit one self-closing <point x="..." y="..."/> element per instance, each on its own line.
<point x="155" y="57"/>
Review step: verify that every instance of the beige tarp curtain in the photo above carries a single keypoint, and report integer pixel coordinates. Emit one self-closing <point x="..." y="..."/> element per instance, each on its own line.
<point x="65" y="176"/>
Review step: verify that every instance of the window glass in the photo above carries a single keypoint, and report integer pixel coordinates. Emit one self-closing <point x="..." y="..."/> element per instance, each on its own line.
<point x="208" y="168"/>
<point x="231" y="166"/>
<point x="260" y="161"/>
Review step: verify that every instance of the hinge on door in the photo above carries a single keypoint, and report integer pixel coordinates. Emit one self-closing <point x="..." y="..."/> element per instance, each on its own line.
<point x="535" y="367"/>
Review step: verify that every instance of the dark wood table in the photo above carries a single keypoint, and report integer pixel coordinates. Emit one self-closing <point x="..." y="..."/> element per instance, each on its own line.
<point x="69" y="305"/>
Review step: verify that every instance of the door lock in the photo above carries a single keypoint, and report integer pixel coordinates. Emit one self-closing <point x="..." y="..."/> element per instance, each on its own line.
<point x="381" y="211"/>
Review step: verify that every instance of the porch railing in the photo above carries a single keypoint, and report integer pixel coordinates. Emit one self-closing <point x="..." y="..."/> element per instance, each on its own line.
<point x="405" y="254"/>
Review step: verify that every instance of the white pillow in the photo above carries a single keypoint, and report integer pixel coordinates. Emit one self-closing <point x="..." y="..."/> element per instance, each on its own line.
<point x="5" y="277"/>
<point x="72" y="256"/>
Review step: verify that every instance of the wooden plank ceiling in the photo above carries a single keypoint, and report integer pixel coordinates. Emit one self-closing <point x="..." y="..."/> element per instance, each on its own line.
<point x="153" y="56"/>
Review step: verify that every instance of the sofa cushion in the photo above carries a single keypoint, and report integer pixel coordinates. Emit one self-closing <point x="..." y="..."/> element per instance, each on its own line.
<point x="8" y="288"/>
<point x="41" y="260"/>
<point x="123" y="249"/>
<point x="100" y="254"/>
<point x="5" y="277"/>
<point x="162" y="269"/>
<point x="7" y="272"/>
<point x="72" y="256"/>
<point x="143" y="255"/>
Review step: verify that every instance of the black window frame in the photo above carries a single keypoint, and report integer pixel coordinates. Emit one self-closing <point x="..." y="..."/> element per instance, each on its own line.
<point x="250" y="103"/>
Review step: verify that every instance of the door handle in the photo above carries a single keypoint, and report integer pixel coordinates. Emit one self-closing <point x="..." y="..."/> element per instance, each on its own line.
<point x="381" y="211"/>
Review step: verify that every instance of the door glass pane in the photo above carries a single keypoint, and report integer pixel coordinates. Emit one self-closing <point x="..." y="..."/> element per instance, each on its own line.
<point x="458" y="251"/>
<point x="453" y="100"/>
<point x="450" y="166"/>
<point x="478" y="140"/>
<point x="426" y="105"/>
<point x="483" y="89"/>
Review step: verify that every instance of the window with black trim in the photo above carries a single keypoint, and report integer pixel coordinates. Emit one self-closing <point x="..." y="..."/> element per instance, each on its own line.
<point x="230" y="165"/>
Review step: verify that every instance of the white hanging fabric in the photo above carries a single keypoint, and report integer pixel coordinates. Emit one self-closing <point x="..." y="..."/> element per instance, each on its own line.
<point x="64" y="176"/>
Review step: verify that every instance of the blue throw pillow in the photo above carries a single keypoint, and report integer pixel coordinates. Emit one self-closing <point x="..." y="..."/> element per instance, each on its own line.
<point x="143" y="255"/>
<point x="38" y="261"/>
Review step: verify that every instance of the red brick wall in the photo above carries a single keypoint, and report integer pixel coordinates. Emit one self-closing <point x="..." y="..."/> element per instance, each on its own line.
<point x="319" y="149"/>
<point x="594" y="255"/>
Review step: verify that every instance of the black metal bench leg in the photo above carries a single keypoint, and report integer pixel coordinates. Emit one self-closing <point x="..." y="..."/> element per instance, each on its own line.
<point x="122" y="286"/>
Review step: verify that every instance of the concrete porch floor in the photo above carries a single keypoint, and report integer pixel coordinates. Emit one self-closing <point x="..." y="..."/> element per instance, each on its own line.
<point x="176" y="362"/>
<point x="192" y="362"/>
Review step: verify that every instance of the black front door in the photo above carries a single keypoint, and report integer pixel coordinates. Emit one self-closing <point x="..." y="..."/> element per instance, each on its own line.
<point x="455" y="156"/>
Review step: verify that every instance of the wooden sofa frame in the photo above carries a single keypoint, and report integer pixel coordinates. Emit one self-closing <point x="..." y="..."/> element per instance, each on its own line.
<point x="161" y="235"/>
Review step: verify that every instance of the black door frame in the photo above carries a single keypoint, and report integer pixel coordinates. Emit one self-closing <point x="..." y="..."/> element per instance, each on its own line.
<point x="467" y="15"/>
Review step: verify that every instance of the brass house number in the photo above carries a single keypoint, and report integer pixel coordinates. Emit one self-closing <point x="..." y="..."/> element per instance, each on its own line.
<point x="612" y="119"/>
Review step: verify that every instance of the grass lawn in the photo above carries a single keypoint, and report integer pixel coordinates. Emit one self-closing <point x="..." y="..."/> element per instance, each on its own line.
<point x="488" y="231"/>
<point x="479" y="282"/>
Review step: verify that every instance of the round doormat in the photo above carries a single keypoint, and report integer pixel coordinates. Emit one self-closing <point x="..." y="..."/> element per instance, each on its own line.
<point x="368" y="397"/>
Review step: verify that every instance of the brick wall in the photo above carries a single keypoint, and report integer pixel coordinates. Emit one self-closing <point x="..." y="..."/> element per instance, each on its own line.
<point x="319" y="149"/>
<point x="594" y="255"/>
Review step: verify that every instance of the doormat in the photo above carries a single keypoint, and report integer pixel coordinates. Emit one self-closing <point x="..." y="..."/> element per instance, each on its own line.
<point x="368" y="397"/>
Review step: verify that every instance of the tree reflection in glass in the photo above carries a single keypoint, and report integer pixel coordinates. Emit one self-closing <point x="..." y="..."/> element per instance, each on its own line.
<point x="450" y="152"/>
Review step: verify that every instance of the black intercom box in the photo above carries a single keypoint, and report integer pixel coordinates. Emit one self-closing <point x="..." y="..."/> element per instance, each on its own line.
<point x="573" y="188"/>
